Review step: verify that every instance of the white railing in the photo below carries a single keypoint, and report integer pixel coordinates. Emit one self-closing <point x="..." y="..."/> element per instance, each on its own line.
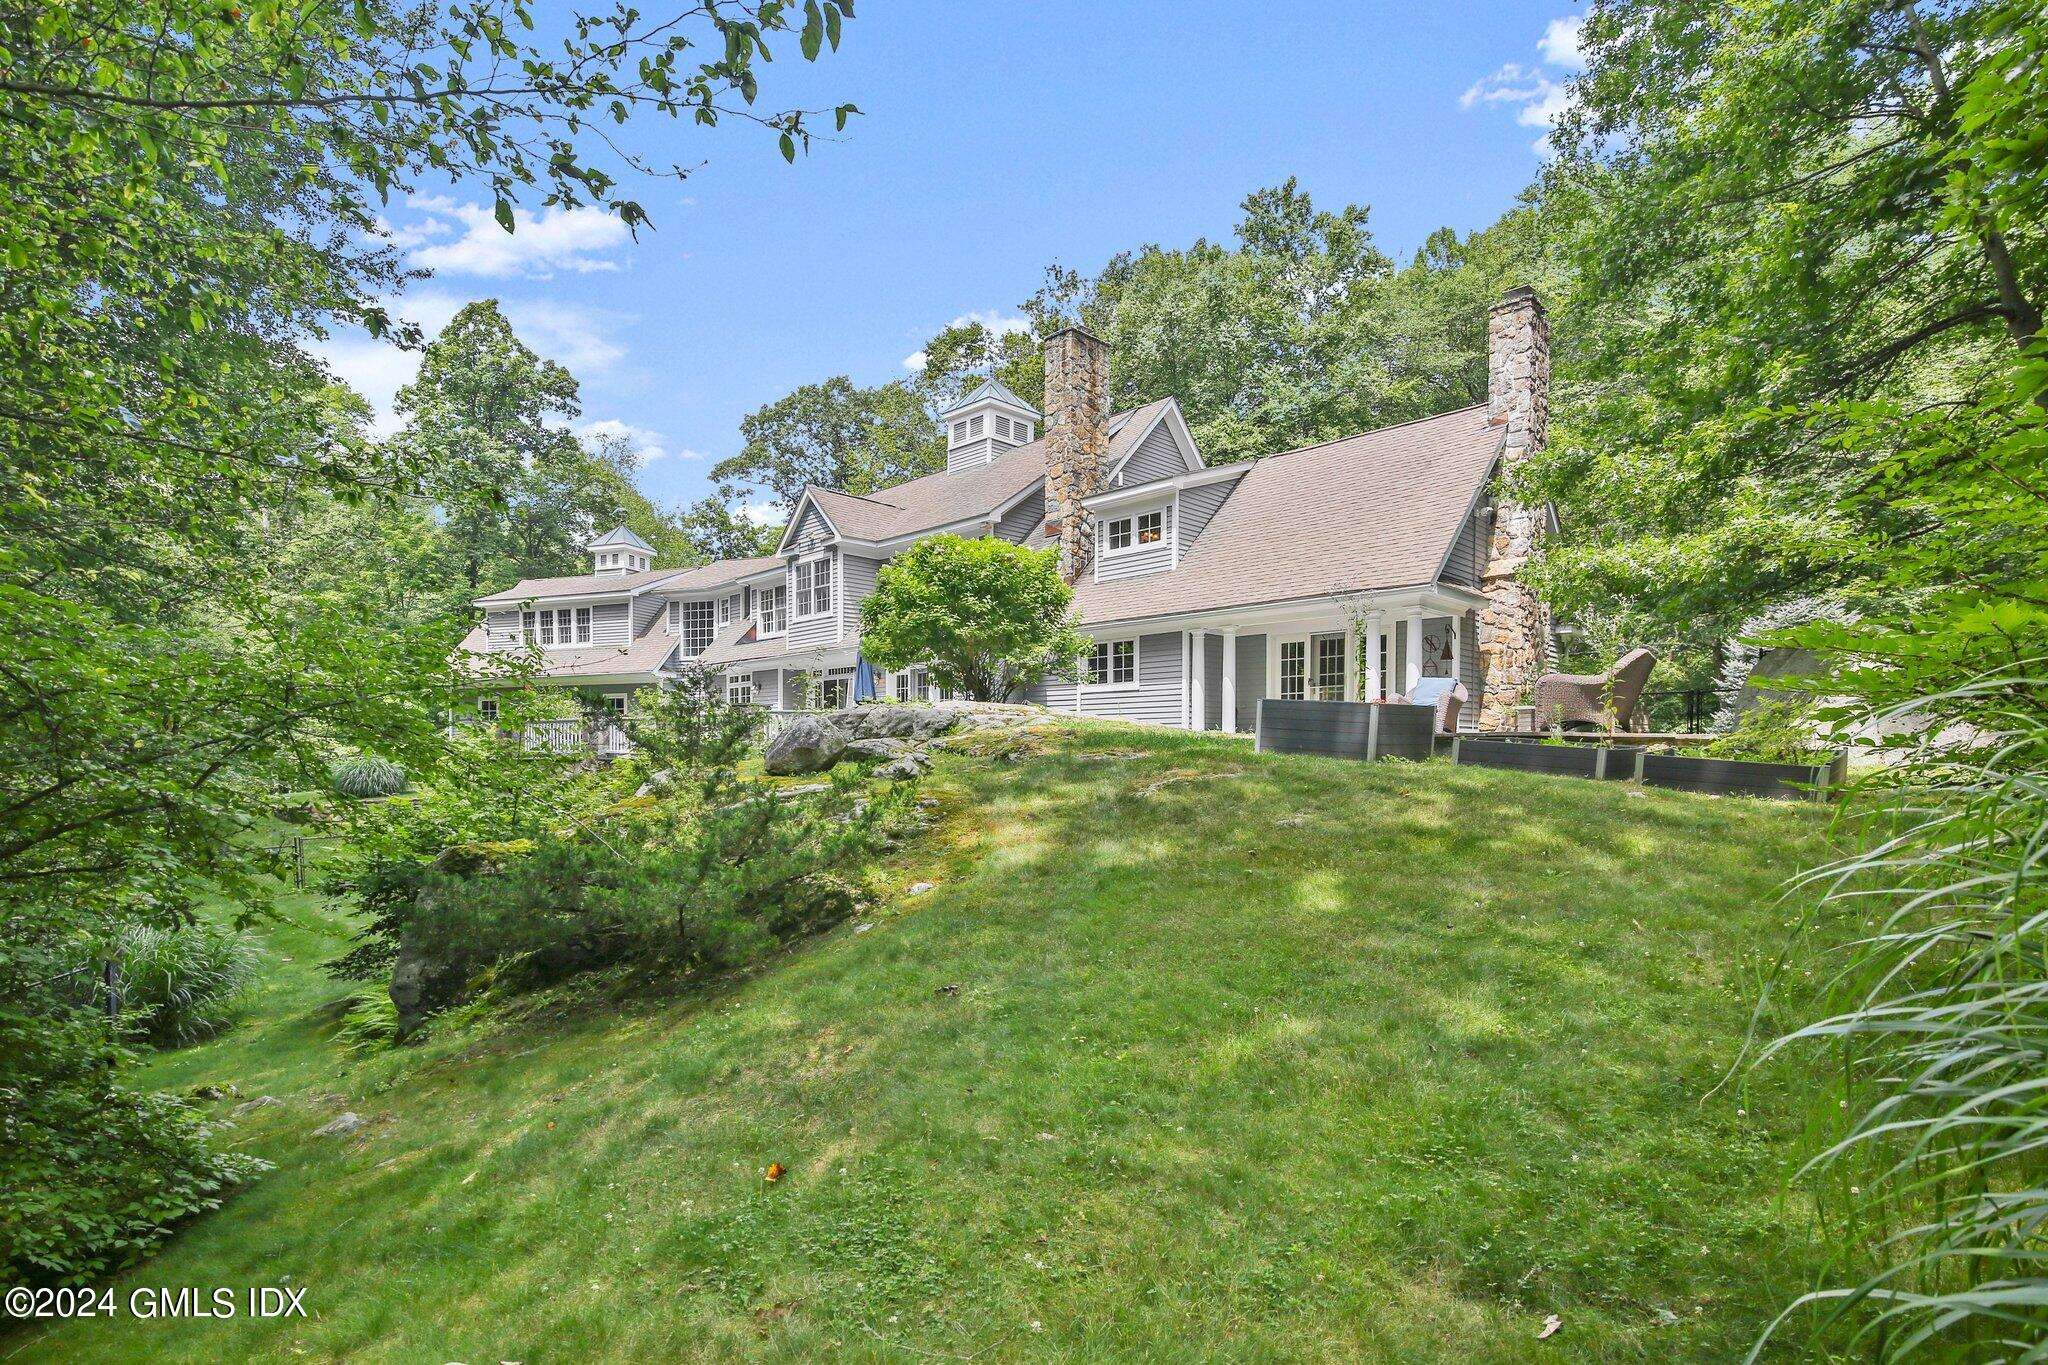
<point x="578" y="736"/>
<point x="775" y="722"/>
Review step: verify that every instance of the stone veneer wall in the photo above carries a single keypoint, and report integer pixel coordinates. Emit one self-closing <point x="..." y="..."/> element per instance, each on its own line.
<point x="1076" y="440"/>
<point x="1514" y="628"/>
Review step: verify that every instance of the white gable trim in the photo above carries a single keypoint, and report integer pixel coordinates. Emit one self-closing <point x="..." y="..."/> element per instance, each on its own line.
<point x="1182" y="438"/>
<point x="1194" y="478"/>
<point x="796" y="518"/>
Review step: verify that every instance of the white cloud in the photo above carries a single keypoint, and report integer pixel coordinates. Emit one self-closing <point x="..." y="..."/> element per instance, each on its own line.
<point x="1540" y="98"/>
<point x="644" y="440"/>
<point x="762" y="513"/>
<point x="994" y="321"/>
<point x="579" y="240"/>
<point x="586" y="340"/>
<point x="914" y="362"/>
<point x="1560" y="44"/>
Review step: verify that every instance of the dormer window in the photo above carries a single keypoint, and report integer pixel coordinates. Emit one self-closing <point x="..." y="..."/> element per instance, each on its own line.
<point x="692" y="621"/>
<point x="1116" y="535"/>
<point x="551" y="628"/>
<point x="1151" y="528"/>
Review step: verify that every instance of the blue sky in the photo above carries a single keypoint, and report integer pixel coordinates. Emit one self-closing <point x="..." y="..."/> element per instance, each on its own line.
<point x="996" y="139"/>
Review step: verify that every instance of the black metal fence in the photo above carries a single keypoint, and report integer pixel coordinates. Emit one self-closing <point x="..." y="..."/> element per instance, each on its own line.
<point x="1679" y="710"/>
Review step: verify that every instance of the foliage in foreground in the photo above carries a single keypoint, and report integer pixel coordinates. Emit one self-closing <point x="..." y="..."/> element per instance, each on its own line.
<point x="97" y="1174"/>
<point x="181" y="983"/>
<point x="530" y="891"/>
<point x="987" y="618"/>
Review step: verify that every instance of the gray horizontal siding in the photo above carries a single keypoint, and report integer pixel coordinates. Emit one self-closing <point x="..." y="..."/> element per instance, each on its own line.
<point x="813" y="532"/>
<point x="1251" y="680"/>
<point x="1137" y="560"/>
<point x="1157" y="457"/>
<point x="1156" y="700"/>
<point x="856" y="585"/>
<point x="501" y="630"/>
<point x="1020" y="521"/>
<point x="1468" y="552"/>
<point x="1198" y="508"/>
<point x="608" y="623"/>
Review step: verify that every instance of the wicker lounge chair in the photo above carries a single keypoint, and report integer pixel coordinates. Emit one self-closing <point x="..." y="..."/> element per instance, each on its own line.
<point x="1594" y="701"/>
<point x="1447" y="695"/>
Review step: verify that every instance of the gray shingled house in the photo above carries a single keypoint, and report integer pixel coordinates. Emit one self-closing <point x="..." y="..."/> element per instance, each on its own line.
<point x="1346" y="570"/>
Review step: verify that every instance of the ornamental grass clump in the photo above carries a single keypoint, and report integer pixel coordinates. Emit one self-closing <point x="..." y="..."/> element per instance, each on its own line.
<point x="366" y="776"/>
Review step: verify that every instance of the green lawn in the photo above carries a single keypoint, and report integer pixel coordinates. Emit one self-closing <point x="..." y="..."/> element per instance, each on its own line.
<point x="1146" y="1076"/>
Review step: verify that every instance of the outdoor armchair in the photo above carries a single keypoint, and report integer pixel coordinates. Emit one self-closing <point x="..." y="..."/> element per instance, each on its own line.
<point x="1594" y="701"/>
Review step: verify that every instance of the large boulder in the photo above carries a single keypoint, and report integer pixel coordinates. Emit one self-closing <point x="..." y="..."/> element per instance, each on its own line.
<point x="915" y="723"/>
<point x="880" y="748"/>
<point x="808" y="744"/>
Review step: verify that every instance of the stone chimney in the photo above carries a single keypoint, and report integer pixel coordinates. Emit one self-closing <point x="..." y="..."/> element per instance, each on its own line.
<point x="1076" y="441"/>
<point x="1514" y="629"/>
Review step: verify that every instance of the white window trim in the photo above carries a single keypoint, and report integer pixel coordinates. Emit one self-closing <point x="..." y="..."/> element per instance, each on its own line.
<point x="1137" y="660"/>
<point x="554" y="627"/>
<point x="831" y="607"/>
<point x="1169" y="530"/>
<point x="760" y="619"/>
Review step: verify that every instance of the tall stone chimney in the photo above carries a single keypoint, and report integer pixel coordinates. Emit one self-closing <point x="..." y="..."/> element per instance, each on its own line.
<point x="1514" y="628"/>
<point x="1076" y="440"/>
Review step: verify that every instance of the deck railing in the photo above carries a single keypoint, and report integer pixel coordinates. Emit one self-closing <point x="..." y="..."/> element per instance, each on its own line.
<point x="578" y="736"/>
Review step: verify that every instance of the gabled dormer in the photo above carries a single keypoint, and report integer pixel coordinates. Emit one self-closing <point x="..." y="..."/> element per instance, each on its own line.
<point x="618" y="552"/>
<point x="984" y="424"/>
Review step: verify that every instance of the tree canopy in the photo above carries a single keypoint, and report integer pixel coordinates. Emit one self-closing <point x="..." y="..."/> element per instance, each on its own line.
<point x="985" y="616"/>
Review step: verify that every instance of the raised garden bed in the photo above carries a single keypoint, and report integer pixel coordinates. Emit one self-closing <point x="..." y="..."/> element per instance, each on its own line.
<point x="1346" y="729"/>
<point x="1685" y="772"/>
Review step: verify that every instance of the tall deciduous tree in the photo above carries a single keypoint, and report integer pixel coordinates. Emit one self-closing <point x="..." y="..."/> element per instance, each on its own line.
<point x="834" y="435"/>
<point x="1778" y="205"/>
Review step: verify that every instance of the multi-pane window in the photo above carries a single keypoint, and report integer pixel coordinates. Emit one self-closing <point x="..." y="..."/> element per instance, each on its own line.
<point x="834" y="691"/>
<point x="774" y="609"/>
<point x="1113" y="664"/>
<point x="1151" y="528"/>
<point x="487" y="707"/>
<point x="1116" y="535"/>
<point x="1329" y="674"/>
<point x="697" y="624"/>
<point x="724" y="611"/>
<point x="556" y="626"/>
<point x="813" y="587"/>
<point x="739" y="689"/>
<point x="903" y="685"/>
<point x="1293" y="670"/>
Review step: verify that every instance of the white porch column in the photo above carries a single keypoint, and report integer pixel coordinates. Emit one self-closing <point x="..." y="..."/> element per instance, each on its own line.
<point x="1198" y="710"/>
<point x="1375" y="628"/>
<point x="1350" y="660"/>
<point x="1230" y="680"/>
<point x="1457" y="642"/>
<point x="1413" y="672"/>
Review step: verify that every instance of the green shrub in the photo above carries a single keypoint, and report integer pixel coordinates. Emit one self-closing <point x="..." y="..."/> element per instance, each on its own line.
<point x="94" y="1174"/>
<point x="177" y="985"/>
<point x="1771" y="732"/>
<point x="366" y="776"/>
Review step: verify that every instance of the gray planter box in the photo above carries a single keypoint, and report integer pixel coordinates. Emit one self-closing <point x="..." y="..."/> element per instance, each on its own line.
<point x="1346" y="729"/>
<point x="1684" y="772"/>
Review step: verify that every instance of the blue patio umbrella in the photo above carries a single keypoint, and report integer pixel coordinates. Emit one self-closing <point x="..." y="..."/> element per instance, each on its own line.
<point x="864" y="682"/>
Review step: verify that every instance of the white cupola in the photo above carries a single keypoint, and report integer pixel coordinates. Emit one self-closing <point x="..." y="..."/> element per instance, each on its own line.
<point x="984" y="424"/>
<point x="618" y="551"/>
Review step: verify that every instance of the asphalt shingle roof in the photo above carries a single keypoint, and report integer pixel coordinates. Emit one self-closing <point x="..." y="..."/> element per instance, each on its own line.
<point x="942" y="499"/>
<point x="644" y="655"/>
<point x="697" y="579"/>
<point x="1377" y="510"/>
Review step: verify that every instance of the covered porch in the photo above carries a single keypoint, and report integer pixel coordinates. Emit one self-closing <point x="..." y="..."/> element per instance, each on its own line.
<point x="1370" y="647"/>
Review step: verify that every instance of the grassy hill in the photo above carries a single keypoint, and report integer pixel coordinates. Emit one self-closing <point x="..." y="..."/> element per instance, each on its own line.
<point x="1189" y="1053"/>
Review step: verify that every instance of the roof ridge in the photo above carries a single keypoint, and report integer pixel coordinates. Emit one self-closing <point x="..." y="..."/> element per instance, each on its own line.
<point x="1356" y="435"/>
<point x="862" y="497"/>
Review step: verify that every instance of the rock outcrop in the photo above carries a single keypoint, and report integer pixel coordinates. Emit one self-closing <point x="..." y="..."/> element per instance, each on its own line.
<point x="894" y="734"/>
